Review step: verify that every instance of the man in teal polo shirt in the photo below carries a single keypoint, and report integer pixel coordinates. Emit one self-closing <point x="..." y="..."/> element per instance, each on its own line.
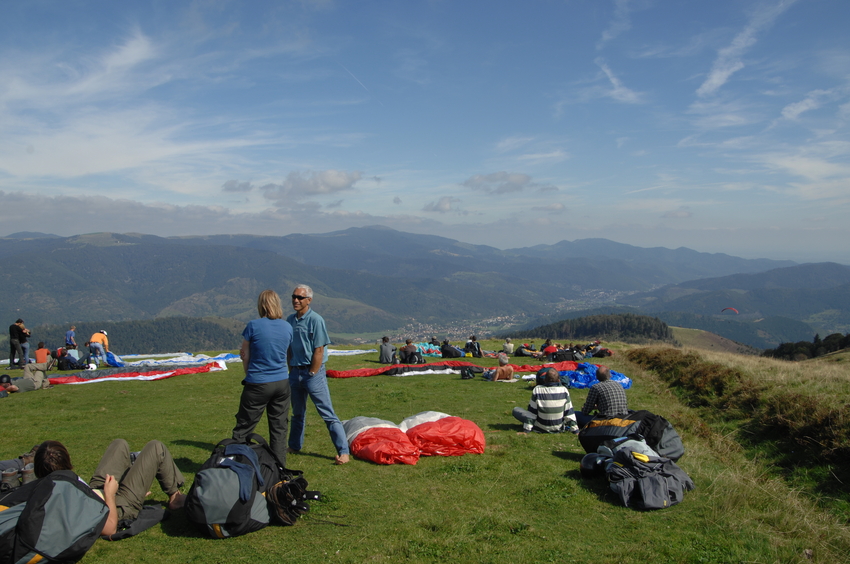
<point x="307" y="356"/>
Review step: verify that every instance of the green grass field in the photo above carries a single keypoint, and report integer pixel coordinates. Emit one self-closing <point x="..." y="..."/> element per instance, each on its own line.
<point x="523" y="500"/>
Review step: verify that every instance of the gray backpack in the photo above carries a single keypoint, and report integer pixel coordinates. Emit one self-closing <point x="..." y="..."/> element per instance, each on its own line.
<point x="56" y="518"/>
<point x="227" y="497"/>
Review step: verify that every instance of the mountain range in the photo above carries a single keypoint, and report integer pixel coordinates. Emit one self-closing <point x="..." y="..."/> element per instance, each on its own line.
<point x="375" y="279"/>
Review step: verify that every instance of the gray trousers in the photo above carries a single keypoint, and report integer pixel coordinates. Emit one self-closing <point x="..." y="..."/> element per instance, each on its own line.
<point x="274" y="399"/>
<point x="526" y="417"/>
<point x="135" y="479"/>
<point x="35" y="372"/>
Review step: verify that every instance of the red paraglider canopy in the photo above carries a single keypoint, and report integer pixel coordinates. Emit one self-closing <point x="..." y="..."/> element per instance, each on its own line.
<point x="729" y="308"/>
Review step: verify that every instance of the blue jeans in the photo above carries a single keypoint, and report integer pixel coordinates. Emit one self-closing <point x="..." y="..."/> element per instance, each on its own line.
<point x="302" y="385"/>
<point x="96" y="350"/>
<point x="26" y="348"/>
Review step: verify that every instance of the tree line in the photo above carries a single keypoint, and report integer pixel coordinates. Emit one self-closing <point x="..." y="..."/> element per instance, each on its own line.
<point x="803" y="350"/>
<point x="163" y="335"/>
<point x="626" y="327"/>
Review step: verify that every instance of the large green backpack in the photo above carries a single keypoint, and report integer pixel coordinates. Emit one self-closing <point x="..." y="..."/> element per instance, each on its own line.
<point x="56" y="518"/>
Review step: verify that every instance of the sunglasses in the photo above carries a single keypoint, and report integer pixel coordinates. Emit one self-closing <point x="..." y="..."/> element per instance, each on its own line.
<point x="301" y="298"/>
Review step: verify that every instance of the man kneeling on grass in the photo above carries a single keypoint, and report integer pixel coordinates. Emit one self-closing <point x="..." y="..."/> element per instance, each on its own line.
<point x="121" y="480"/>
<point x="550" y="409"/>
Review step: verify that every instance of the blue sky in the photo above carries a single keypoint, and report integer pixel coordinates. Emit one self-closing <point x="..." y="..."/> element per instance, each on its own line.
<point x="719" y="126"/>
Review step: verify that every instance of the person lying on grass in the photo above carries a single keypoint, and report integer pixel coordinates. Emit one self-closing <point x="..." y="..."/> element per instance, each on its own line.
<point x="550" y="409"/>
<point x="125" y="494"/>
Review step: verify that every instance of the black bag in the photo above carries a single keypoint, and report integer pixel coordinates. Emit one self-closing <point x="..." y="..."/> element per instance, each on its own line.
<point x="449" y="351"/>
<point x="562" y="356"/>
<point x="287" y="498"/>
<point x="466" y="373"/>
<point x="647" y="482"/>
<point x="659" y="433"/>
<point x="56" y="518"/>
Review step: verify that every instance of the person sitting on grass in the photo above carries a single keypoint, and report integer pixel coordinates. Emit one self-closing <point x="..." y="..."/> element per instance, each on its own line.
<point x="408" y="354"/>
<point x="122" y="483"/>
<point x="607" y="399"/>
<point x="387" y="352"/>
<point x="473" y="347"/>
<point x="504" y="372"/>
<point x="550" y="409"/>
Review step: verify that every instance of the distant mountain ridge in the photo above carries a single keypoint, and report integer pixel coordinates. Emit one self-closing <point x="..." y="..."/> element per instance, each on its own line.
<point x="379" y="279"/>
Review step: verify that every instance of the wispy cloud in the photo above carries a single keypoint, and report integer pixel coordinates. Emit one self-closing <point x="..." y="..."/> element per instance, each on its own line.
<point x="555" y="156"/>
<point x="499" y="182"/>
<point x="618" y="91"/>
<point x="509" y="144"/>
<point x="730" y="58"/>
<point x="812" y="101"/>
<point x="553" y="208"/>
<point x="619" y="24"/>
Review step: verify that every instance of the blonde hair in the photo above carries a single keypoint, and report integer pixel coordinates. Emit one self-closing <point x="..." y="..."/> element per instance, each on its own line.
<point x="268" y="305"/>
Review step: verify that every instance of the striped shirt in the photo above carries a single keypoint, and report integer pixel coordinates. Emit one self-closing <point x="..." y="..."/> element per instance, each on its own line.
<point x="551" y="404"/>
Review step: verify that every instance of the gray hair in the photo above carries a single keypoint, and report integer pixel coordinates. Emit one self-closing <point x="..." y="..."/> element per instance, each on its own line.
<point x="307" y="289"/>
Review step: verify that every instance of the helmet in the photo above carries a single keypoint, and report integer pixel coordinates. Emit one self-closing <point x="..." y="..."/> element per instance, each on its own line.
<point x="5" y="379"/>
<point x="593" y="465"/>
<point x="103" y="331"/>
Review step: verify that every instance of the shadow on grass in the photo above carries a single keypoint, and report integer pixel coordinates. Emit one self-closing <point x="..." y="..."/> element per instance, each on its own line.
<point x="517" y="426"/>
<point x="597" y="485"/>
<point x="566" y="455"/>
<point x="176" y="524"/>
<point x="291" y="457"/>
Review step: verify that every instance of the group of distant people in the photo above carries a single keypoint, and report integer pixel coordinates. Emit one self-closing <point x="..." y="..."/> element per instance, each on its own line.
<point x="550" y="409"/>
<point x="64" y="358"/>
<point x="550" y="351"/>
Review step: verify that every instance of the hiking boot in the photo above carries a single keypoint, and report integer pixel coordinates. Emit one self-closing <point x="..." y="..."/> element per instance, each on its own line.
<point x="134" y="456"/>
<point x="10" y="480"/>
<point x="27" y="474"/>
<point x="28" y="457"/>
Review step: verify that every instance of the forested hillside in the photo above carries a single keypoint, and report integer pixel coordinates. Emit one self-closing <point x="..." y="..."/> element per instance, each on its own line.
<point x="170" y="334"/>
<point x="626" y="327"/>
<point x="803" y="350"/>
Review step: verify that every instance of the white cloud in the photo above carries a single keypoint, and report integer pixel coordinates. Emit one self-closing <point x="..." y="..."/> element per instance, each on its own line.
<point x="555" y="156"/>
<point x="729" y="59"/>
<point x="681" y="213"/>
<point x="509" y="144"/>
<point x="620" y="24"/>
<point x="236" y="186"/>
<point x="443" y="205"/>
<point x="499" y="182"/>
<point x="300" y="185"/>
<point x="553" y="208"/>
<point x="812" y="101"/>
<point x="618" y="91"/>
